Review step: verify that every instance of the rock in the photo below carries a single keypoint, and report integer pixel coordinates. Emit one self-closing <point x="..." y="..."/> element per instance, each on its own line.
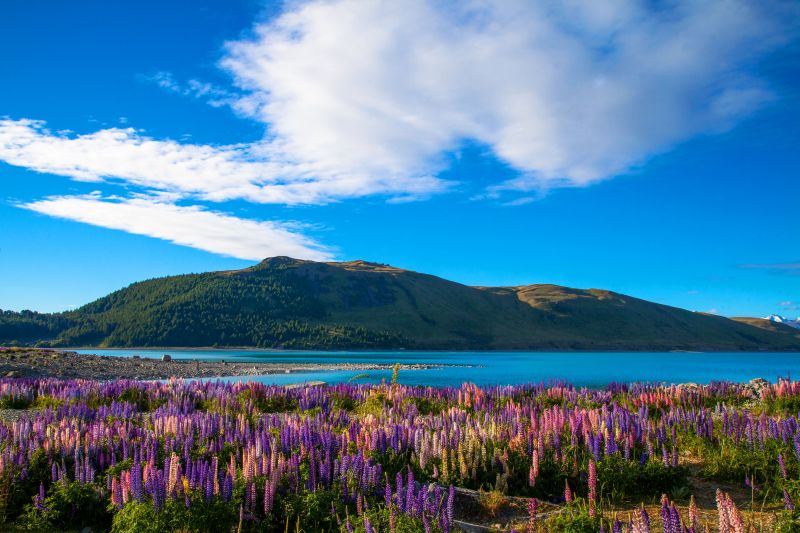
<point x="136" y="357"/>
<point x="87" y="529"/>
<point x="166" y="358"/>
<point x="758" y="385"/>
<point x="12" y="374"/>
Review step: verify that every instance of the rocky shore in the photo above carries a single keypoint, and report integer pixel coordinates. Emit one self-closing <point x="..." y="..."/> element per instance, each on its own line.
<point x="65" y="364"/>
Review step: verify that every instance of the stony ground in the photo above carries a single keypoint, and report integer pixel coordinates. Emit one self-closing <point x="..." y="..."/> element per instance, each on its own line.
<point x="66" y="364"/>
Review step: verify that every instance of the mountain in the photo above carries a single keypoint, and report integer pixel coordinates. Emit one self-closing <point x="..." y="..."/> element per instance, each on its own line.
<point x="783" y="320"/>
<point x="769" y="325"/>
<point x="288" y="303"/>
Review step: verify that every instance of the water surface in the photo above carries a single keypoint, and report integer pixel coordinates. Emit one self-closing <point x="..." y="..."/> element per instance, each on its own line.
<point x="507" y="368"/>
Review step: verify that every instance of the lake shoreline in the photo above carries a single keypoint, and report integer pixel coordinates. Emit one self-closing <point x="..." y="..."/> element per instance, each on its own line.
<point x="651" y="349"/>
<point x="64" y="364"/>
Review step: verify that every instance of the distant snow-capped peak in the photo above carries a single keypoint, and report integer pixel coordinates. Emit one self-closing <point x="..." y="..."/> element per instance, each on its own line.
<point x="783" y="320"/>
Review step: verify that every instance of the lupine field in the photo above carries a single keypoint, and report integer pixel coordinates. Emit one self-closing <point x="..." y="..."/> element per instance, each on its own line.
<point x="216" y="456"/>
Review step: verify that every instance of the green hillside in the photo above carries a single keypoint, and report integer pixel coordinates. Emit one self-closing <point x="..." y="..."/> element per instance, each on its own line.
<point x="287" y="303"/>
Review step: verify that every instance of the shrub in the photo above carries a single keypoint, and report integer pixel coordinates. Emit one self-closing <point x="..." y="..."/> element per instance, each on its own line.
<point x="69" y="505"/>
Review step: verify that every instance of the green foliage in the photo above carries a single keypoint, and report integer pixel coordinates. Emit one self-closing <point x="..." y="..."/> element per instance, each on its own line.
<point x="371" y="406"/>
<point x="728" y="461"/>
<point x="15" y="490"/>
<point x="782" y="404"/>
<point x="343" y="401"/>
<point x="27" y="327"/>
<point x="379" y="519"/>
<point x="69" y="505"/>
<point x="788" y="522"/>
<point x="313" y="510"/>
<point x="429" y="406"/>
<point x="140" y="399"/>
<point x="574" y="519"/>
<point x="200" y="517"/>
<point x="622" y="480"/>
<point x="277" y="403"/>
<point x="10" y="401"/>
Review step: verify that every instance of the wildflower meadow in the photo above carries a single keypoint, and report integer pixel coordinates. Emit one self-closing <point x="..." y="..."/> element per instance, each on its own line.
<point x="221" y="456"/>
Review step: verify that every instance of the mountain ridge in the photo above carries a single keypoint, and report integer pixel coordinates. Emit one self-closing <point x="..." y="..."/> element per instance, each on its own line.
<point x="283" y="302"/>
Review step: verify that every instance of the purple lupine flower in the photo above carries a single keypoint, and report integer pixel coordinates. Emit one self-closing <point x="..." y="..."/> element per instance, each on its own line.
<point x="788" y="504"/>
<point x="368" y="525"/>
<point x="38" y="500"/>
<point x="666" y="520"/>
<point x="399" y="492"/>
<point x="451" y="501"/>
<point x="268" y="497"/>
<point x="410" y="492"/>
<point x="227" y="488"/>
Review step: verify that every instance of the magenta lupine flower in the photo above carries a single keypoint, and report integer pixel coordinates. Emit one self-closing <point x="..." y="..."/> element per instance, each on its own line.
<point x="534" y="471"/>
<point x="533" y="506"/>
<point x="694" y="521"/>
<point x="592" y="488"/>
<point x="782" y="465"/>
<point x="567" y="492"/>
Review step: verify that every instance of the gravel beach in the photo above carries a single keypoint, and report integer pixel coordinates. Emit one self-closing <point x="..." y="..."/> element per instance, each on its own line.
<point x="16" y="362"/>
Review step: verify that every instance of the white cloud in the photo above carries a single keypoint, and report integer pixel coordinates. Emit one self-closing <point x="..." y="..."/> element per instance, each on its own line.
<point x="363" y="97"/>
<point x="215" y="173"/>
<point x="568" y="93"/>
<point x="368" y="97"/>
<point x="188" y="226"/>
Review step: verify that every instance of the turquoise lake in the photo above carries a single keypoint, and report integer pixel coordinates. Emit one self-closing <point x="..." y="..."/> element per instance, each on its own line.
<point x="506" y="368"/>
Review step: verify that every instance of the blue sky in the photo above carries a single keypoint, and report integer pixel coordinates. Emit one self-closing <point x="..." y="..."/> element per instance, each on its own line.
<point x="648" y="151"/>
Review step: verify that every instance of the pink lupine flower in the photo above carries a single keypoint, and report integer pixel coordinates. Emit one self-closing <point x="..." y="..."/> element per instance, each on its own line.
<point x="592" y="488"/>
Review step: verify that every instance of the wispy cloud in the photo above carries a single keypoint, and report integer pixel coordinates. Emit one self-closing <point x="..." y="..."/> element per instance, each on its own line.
<point x="214" y="173"/>
<point x="192" y="226"/>
<point x="792" y="269"/>
<point x="212" y="94"/>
